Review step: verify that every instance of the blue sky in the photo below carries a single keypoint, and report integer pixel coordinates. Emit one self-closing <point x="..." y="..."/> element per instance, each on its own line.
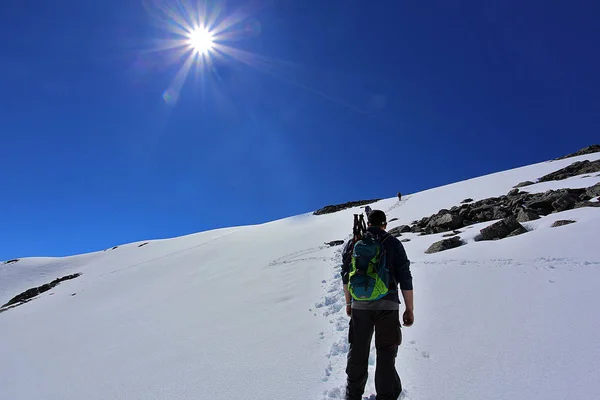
<point x="332" y="101"/>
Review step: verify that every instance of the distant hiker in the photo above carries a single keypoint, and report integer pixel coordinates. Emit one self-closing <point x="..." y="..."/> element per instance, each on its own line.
<point x="373" y="265"/>
<point x="367" y="210"/>
<point x="399" y="196"/>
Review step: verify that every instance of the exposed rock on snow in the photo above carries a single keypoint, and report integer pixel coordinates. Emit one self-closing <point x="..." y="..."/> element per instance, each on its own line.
<point x="562" y="222"/>
<point x="593" y="191"/>
<point x="520" y="205"/>
<point x="335" y="243"/>
<point x="586" y="150"/>
<point x="444" y="222"/>
<point x="395" y="232"/>
<point x="577" y="168"/>
<point x="525" y="215"/>
<point x="445" y="244"/>
<point x="339" y="207"/>
<point x="30" y="293"/>
<point x="14" y="260"/>
<point x="501" y="229"/>
<point x="469" y="200"/>
<point x="522" y="184"/>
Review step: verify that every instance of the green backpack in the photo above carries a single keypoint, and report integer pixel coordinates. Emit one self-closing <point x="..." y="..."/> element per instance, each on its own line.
<point x="369" y="276"/>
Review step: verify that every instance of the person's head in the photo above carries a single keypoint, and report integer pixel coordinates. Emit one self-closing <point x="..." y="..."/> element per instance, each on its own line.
<point x="377" y="218"/>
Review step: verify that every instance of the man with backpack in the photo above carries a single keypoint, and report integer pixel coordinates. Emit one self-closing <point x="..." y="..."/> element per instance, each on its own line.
<point x="374" y="263"/>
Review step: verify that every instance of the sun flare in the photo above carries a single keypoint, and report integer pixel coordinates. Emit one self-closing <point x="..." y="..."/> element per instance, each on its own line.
<point x="201" y="40"/>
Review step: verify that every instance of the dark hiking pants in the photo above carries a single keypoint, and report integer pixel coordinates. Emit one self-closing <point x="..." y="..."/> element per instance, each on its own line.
<point x="388" y="337"/>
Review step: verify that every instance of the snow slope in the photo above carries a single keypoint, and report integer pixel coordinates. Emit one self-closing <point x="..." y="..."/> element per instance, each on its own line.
<point x="255" y="312"/>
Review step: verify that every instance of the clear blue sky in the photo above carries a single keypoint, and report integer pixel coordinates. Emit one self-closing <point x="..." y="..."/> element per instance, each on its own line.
<point x="329" y="95"/>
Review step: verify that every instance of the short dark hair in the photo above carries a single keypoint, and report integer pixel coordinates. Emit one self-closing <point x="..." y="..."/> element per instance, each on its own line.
<point x="377" y="218"/>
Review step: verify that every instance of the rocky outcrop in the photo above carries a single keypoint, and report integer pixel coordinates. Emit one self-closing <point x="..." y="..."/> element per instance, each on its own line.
<point x="523" y="206"/>
<point x="501" y="229"/>
<point x="444" y="222"/>
<point x="14" y="260"/>
<point x="593" y="191"/>
<point x="524" y="215"/>
<point x="335" y="243"/>
<point x="339" y="207"/>
<point x="465" y="201"/>
<point x="31" y="293"/>
<point x="523" y="184"/>
<point x="586" y="150"/>
<point x="445" y="244"/>
<point x="562" y="222"/>
<point x="577" y="168"/>
<point x="395" y="232"/>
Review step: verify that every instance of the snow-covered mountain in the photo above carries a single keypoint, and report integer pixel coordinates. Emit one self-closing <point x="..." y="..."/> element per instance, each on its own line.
<point x="255" y="312"/>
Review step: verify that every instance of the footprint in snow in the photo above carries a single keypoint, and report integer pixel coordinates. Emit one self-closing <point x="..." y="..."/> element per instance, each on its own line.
<point x="335" y="393"/>
<point x="425" y="354"/>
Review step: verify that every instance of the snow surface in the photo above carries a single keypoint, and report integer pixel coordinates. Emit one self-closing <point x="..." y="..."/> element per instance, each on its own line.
<point x="255" y="312"/>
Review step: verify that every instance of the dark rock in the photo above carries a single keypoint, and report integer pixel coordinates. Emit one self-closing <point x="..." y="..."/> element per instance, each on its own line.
<point x="467" y="222"/>
<point x="116" y="247"/>
<point x="482" y="214"/>
<point x="335" y="243"/>
<point x="586" y="150"/>
<point x="416" y="229"/>
<point x="14" y="260"/>
<point x="393" y="219"/>
<point x="30" y="293"/>
<point x="469" y="200"/>
<point x="563" y="203"/>
<point x="405" y="240"/>
<point x="593" y="191"/>
<point x="562" y="222"/>
<point x="395" y="232"/>
<point x="501" y="212"/>
<point x="513" y="192"/>
<point x="500" y="229"/>
<point x="518" y="231"/>
<point x="577" y="168"/>
<point x="339" y="207"/>
<point x="404" y="228"/>
<point x="445" y="222"/>
<point x="553" y="200"/>
<point x="522" y="184"/>
<point x="445" y="244"/>
<point x="587" y="204"/>
<point x="143" y="244"/>
<point x="525" y="215"/>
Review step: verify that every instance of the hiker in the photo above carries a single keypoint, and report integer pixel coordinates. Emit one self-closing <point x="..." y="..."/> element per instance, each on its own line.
<point x="381" y="315"/>
<point x="399" y="196"/>
<point x="368" y="210"/>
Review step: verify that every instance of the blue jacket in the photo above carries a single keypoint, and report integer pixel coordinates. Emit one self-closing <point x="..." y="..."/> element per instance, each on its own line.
<point x="396" y="261"/>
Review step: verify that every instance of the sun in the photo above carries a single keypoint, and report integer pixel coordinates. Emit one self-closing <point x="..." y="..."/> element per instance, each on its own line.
<point x="201" y="40"/>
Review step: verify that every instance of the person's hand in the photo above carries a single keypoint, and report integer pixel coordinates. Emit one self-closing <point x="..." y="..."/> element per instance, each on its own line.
<point x="408" y="318"/>
<point x="349" y="310"/>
